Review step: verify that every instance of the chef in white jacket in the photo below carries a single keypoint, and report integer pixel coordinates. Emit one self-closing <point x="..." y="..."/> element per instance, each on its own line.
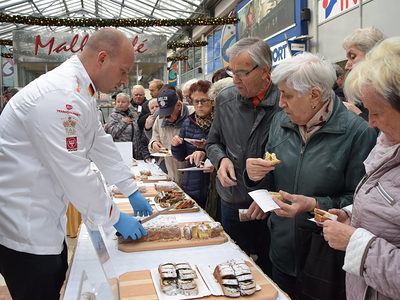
<point x="49" y="133"/>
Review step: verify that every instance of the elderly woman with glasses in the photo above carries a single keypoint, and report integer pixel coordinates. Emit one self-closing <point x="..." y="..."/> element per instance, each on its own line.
<point x="195" y="127"/>
<point x="369" y="234"/>
<point x="321" y="147"/>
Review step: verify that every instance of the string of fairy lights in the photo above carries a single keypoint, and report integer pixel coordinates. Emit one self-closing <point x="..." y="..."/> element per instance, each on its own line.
<point x="95" y="22"/>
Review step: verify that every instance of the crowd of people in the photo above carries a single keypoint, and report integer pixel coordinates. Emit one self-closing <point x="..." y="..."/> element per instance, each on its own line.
<point x="336" y="135"/>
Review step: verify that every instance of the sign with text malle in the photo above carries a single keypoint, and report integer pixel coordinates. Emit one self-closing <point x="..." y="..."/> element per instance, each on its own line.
<point x="59" y="46"/>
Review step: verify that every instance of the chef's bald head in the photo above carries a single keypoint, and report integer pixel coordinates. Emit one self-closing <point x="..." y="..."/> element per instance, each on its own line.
<point x="107" y="39"/>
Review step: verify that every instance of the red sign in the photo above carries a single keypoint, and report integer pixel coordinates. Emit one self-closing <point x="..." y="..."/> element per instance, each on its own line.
<point x="72" y="143"/>
<point x="75" y="47"/>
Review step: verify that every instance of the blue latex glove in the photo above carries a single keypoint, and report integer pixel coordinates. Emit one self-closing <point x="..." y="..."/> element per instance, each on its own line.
<point x="129" y="226"/>
<point x="140" y="205"/>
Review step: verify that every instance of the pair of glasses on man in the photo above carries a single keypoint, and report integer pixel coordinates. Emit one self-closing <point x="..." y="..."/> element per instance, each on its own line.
<point x="240" y="74"/>
<point x="202" y="101"/>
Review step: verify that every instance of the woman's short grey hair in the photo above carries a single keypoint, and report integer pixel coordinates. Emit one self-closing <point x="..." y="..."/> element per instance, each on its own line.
<point x="151" y="101"/>
<point x="125" y="95"/>
<point x="305" y="71"/>
<point x="218" y="86"/>
<point x="258" y="50"/>
<point x="381" y="71"/>
<point x="363" y="38"/>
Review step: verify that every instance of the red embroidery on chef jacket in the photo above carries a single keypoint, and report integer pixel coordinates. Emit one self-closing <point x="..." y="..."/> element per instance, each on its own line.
<point x="72" y="143"/>
<point x="68" y="106"/>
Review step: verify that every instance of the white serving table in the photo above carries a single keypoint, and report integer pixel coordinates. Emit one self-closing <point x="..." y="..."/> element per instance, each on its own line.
<point x="85" y="257"/>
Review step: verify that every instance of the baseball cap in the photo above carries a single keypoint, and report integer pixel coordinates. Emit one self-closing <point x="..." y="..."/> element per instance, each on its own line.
<point x="166" y="102"/>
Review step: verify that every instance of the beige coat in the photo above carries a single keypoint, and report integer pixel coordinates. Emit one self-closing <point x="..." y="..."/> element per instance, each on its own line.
<point x="164" y="135"/>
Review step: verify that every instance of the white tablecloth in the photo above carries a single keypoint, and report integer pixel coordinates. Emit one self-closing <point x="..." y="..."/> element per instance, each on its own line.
<point x="85" y="257"/>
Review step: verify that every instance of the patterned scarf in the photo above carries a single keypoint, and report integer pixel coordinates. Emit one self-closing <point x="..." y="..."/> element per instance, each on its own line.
<point x="316" y="122"/>
<point x="381" y="153"/>
<point x="205" y="123"/>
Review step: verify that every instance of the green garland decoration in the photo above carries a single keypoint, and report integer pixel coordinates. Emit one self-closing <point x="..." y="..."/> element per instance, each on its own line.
<point x="174" y="45"/>
<point x="93" y="22"/>
<point x="6" y="42"/>
<point x="7" y="55"/>
<point x="177" y="58"/>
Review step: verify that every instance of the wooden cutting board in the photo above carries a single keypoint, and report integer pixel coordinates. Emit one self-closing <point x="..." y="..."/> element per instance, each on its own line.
<point x="149" y="192"/>
<point x="136" y="246"/>
<point x="127" y="208"/>
<point x="139" y="286"/>
<point x="153" y="178"/>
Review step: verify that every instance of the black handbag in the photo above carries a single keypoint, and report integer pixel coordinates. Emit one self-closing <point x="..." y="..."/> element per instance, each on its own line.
<point x="321" y="275"/>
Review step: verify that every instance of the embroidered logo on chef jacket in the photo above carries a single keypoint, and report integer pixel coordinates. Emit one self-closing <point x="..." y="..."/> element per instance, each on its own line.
<point x="68" y="106"/>
<point x="91" y="90"/>
<point x="71" y="140"/>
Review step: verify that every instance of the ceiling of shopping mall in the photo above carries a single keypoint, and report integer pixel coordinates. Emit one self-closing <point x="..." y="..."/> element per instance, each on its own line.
<point x="105" y="9"/>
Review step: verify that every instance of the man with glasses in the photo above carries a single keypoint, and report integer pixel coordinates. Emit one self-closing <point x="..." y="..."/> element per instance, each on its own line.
<point x="243" y="113"/>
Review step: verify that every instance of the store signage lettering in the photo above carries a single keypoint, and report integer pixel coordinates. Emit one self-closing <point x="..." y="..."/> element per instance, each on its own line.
<point x="330" y="8"/>
<point x="74" y="46"/>
<point x="62" y="46"/>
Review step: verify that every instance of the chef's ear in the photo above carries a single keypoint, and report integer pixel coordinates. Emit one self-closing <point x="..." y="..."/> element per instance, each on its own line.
<point x="101" y="57"/>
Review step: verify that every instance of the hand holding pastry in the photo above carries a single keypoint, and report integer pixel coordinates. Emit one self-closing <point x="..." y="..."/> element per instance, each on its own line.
<point x="156" y="146"/>
<point x="300" y="203"/>
<point x="196" y="157"/>
<point x="257" y="168"/>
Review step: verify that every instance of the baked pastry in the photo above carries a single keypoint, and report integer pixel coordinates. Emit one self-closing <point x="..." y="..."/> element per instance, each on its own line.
<point x="276" y="195"/>
<point x="321" y="215"/>
<point x="178" y="279"/>
<point x="202" y="231"/>
<point x="187" y="203"/>
<point x="166" y="199"/>
<point x="162" y="228"/>
<point x="164" y="151"/>
<point x="235" y="278"/>
<point x="271" y="157"/>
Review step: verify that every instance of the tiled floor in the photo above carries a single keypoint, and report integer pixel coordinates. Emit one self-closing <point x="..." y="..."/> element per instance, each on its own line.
<point x="5" y="295"/>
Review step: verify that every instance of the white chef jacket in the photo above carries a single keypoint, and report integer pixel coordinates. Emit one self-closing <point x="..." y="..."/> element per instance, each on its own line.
<point x="49" y="132"/>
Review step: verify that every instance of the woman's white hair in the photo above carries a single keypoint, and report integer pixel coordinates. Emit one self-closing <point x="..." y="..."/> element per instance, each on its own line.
<point x="305" y="71"/>
<point x="363" y="38"/>
<point x="125" y="95"/>
<point x="218" y="86"/>
<point x="380" y="70"/>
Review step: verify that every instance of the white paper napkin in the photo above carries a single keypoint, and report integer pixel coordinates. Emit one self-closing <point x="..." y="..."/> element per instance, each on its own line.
<point x="264" y="200"/>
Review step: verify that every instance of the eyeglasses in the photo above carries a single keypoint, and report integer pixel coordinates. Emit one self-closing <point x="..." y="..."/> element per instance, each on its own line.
<point x="240" y="74"/>
<point x="202" y="101"/>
